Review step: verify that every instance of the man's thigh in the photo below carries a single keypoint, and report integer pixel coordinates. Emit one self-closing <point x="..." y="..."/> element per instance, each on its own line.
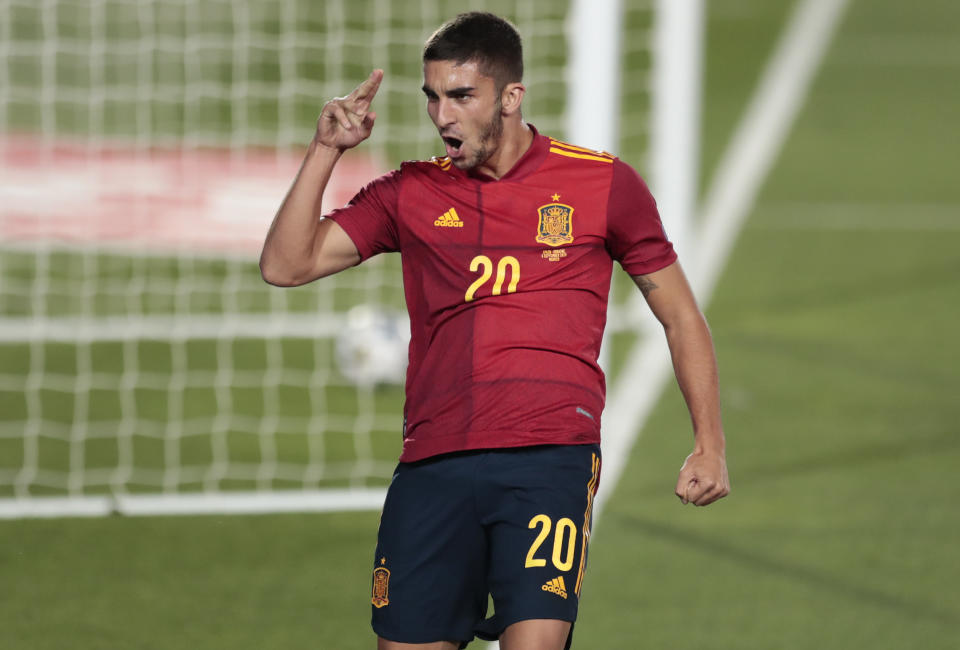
<point x="536" y="634"/>
<point x="383" y="644"/>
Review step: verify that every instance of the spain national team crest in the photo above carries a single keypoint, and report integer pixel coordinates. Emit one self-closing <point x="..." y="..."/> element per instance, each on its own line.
<point x="381" y="586"/>
<point x="556" y="223"/>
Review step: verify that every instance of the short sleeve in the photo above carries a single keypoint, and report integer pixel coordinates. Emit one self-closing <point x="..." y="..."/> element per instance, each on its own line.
<point x="370" y="218"/>
<point x="635" y="234"/>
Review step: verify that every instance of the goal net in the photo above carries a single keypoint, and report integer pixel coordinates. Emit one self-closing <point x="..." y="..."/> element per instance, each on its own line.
<point x="144" y="148"/>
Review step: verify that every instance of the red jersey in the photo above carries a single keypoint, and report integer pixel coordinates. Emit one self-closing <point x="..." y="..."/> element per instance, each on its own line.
<point x="506" y="283"/>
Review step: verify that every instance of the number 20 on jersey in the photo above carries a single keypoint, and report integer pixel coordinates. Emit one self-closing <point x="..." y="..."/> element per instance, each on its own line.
<point x="484" y="265"/>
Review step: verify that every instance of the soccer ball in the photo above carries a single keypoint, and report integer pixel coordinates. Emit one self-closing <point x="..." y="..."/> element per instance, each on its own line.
<point x="372" y="348"/>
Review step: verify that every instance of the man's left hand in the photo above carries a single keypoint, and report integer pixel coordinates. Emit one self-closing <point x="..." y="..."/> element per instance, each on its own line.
<point x="703" y="478"/>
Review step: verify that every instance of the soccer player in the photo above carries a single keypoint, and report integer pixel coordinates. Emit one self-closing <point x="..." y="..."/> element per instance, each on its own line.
<point x="507" y="244"/>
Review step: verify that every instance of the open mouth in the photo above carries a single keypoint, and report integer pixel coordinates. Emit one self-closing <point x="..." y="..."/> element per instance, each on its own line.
<point x="453" y="146"/>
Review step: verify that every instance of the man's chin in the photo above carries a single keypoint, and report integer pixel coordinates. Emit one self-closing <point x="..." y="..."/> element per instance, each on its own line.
<point x="464" y="163"/>
<point x="468" y="159"/>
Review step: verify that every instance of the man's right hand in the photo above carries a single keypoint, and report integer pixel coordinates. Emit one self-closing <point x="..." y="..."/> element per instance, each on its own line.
<point x="347" y="121"/>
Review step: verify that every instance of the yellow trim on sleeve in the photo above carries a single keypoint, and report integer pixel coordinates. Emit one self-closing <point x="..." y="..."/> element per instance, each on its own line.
<point x="570" y="154"/>
<point x="567" y="145"/>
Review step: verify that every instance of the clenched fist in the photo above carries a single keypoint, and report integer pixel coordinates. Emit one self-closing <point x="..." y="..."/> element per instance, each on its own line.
<point x="703" y="478"/>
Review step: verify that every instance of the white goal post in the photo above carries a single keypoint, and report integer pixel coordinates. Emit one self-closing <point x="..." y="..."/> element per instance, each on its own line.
<point x="144" y="146"/>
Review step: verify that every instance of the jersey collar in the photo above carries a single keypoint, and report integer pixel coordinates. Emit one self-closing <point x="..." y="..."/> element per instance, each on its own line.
<point x="527" y="163"/>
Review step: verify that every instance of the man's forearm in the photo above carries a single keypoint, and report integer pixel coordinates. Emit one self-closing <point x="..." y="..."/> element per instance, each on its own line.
<point x="695" y="365"/>
<point x="289" y="252"/>
<point x="703" y="478"/>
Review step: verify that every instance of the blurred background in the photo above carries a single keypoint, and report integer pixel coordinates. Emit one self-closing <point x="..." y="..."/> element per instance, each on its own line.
<point x="144" y="147"/>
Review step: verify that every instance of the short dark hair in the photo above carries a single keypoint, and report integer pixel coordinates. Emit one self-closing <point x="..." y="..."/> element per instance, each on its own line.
<point x="483" y="37"/>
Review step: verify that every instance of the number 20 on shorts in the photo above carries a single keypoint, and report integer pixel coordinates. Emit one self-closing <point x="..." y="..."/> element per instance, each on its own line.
<point x="484" y="264"/>
<point x="564" y="542"/>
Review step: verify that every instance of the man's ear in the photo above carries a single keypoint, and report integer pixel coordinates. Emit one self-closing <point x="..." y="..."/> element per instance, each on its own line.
<point x="511" y="97"/>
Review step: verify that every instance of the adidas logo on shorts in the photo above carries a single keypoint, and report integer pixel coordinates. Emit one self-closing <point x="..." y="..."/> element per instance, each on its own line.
<point x="556" y="586"/>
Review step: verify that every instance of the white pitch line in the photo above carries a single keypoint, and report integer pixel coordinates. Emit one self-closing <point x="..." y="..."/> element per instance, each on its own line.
<point x="169" y="328"/>
<point x="740" y="174"/>
<point x="236" y="503"/>
<point x="762" y="132"/>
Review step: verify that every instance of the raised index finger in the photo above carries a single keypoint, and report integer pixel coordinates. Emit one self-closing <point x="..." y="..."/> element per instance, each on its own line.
<point x="367" y="90"/>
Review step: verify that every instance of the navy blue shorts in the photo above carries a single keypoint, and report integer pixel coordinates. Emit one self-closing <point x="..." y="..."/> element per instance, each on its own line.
<point x="511" y="523"/>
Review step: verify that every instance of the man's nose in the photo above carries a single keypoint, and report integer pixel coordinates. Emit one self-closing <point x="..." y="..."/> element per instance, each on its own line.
<point x="445" y="115"/>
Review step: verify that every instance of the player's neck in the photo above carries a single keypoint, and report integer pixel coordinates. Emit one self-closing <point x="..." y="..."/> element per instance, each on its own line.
<point x="516" y="139"/>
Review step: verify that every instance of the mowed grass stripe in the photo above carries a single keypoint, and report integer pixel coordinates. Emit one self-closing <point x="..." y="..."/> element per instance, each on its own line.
<point x="857" y="216"/>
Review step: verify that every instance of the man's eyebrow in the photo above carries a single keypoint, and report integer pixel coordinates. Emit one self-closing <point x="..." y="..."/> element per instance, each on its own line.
<point x="452" y="92"/>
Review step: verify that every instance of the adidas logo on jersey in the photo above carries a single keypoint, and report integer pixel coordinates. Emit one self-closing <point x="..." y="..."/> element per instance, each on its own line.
<point x="449" y="219"/>
<point x="556" y="586"/>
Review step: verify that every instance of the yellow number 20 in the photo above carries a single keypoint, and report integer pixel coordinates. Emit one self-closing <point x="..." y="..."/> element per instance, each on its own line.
<point x="484" y="264"/>
<point x="566" y="535"/>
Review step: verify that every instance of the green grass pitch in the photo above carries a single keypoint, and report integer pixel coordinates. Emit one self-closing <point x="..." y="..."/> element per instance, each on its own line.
<point x="835" y="326"/>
